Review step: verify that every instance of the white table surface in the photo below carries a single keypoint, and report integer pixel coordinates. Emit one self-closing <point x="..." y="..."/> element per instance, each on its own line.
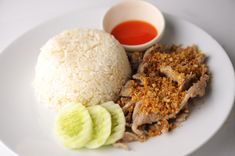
<point x="214" y="16"/>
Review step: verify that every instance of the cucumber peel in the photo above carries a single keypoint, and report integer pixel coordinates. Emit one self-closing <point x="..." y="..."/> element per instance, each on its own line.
<point x="101" y="126"/>
<point x="118" y="122"/>
<point x="74" y="126"/>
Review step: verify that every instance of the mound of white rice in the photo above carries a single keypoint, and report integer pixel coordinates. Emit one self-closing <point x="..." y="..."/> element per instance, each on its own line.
<point x="80" y="65"/>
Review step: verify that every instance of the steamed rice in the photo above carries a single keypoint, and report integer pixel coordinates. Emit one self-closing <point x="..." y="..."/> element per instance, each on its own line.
<point x="80" y="65"/>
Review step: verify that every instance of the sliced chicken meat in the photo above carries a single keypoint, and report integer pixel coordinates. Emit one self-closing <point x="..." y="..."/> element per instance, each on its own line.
<point x="139" y="117"/>
<point x="166" y="79"/>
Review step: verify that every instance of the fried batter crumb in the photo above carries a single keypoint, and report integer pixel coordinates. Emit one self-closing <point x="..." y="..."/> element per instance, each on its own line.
<point x="162" y="83"/>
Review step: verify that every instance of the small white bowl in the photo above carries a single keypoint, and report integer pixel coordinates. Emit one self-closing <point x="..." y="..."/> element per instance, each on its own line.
<point x="135" y="10"/>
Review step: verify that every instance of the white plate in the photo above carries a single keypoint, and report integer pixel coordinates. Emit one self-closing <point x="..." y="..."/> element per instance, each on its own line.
<point x="27" y="130"/>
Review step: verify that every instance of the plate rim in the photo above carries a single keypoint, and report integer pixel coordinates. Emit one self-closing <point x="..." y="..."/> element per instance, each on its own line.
<point x="166" y="15"/>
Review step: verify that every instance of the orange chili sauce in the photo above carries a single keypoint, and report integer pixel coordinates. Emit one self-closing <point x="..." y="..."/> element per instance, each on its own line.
<point x="134" y="32"/>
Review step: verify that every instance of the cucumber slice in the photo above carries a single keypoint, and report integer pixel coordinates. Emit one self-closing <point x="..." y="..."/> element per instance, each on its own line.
<point x="118" y="122"/>
<point x="101" y="126"/>
<point x="74" y="126"/>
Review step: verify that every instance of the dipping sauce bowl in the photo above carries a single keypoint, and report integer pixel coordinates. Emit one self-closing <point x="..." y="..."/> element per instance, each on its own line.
<point x="136" y="24"/>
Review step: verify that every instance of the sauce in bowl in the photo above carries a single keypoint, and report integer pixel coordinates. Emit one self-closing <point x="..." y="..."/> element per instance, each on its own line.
<point x="134" y="32"/>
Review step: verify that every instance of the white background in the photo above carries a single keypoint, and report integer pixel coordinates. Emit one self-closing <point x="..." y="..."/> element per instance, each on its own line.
<point x="214" y="16"/>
